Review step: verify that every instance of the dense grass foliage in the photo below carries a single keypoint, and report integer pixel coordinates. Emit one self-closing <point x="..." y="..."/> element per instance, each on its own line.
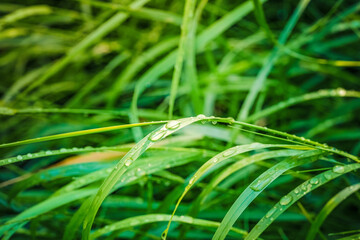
<point x="179" y="119"/>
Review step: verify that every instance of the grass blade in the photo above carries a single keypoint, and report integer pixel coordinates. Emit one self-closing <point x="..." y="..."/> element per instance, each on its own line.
<point x="296" y="194"/>
<point x="257" y="186"/>
<point x="330" y="206"/>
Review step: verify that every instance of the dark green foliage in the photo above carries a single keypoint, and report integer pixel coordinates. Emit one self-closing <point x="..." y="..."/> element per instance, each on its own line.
<point x="108" y="127"/>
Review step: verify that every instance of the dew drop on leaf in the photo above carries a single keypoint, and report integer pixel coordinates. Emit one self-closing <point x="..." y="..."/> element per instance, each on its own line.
<point x="286" y="200"/>
<point x="201" y="116"/>
<point x="260" y="184"/>
<point x="172" y="125"/>
<point x="338" y="169"/>
<point x="228" y="152"/>
<point x="328" y="175"/>
<point x="156" y="136"/>
<point x="314" y="180"/>
<point x="128" y="162"/>
<point x="270" y="213"/>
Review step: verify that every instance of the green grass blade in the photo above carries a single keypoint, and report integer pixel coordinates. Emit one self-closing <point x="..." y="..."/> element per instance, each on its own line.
<point x="329" y="207"/>
<point x="202" y="40"/>
<point x="260" y="17"/>
<point x="298" y="193"/>
<point x="236" y="167"/>
<point x="186" y="40"/>
<point x="77" y="133"/>
<point x="325" y="93"/>
<point x="92" y="38"/>
<point x="137" y="65"/>
<point x="114" y="63"/>
<point x="152" y="218"/>
<point x="127" y="160"/>
<point x="259" y="185"/>
<point x="214" y="161"/>
<point x="265" y="70"/>
<point x="44" y="207"/>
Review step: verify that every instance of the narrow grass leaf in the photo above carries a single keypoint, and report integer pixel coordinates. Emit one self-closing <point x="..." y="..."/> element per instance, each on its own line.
<point x="151" y="218"/>
<point x="259" y="185"/>
<point x="330" y="206"/>
<point x="297" y="193"/>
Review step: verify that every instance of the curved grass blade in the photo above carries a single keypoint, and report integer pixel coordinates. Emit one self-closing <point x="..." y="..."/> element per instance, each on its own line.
<point x="185" y="41"/>
<point x="329" y="207"/>
<point x="219" y="158"/>
<point x="146" y="13"/>
<point x="236" y="167"/>
<point x="298" y="193"/>
<point x="151" y="218"/>
<point x="25" y="13"/>
<point x="137" y="65"/>
<point x="127" y="160"/>
<point x="202" y="40"/>
<point x="258" y="185"/>
<point x="269" y="63"/>
<point x="97" y="34"/>
<point x="260" y="17"/>
<point x="149" y="165"/>
<point x="44" y="207"/>
<point x="352" y="237"/>
<point x="55" y="173"/>
<point x="114" y="63"/>
<point x="62" y="151"/>
<point x="340" y="92"/>
<point x="77" y="133"/>
<point x="297" y="140"/>
<point x="137" y="170"/>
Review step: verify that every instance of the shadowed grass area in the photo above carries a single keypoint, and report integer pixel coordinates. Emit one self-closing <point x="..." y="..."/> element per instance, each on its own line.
<point x="179" y="119"/>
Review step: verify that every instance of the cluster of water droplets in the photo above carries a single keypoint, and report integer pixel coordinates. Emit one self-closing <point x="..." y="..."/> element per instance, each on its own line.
<point x="260" y="184"/>
<point x="51" y="153"/>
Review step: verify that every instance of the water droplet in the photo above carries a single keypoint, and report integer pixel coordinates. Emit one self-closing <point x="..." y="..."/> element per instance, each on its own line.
<point x="63" y="150"/>
<point x="156" y="136"/>
<point x="270" y="213"/>
<point x="328" y="175"/>
<point x="172" y="125"/>
<point x="128" y="162"/>
<point x="303" y="187"/>
<point x="302" y="138"/>
<point x="192" y="180"/>
<point x="296" y="191"/>
<point x="48" y="152"/>
<point x="75" y="149"/>
<point x="201" y="116"/>
<point x="314" y="180"/>
<point x="338" y="169"/>
<point x="228" y="152"/>
<point x="215" y="159"/>
<point x="19" y="157"/>
<point x="260" y="184"/>
<point x="286" y="200"/>
<point x="140" y="172"/>
<point x="341" y="91"/>
<point x="29" y="155"/>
